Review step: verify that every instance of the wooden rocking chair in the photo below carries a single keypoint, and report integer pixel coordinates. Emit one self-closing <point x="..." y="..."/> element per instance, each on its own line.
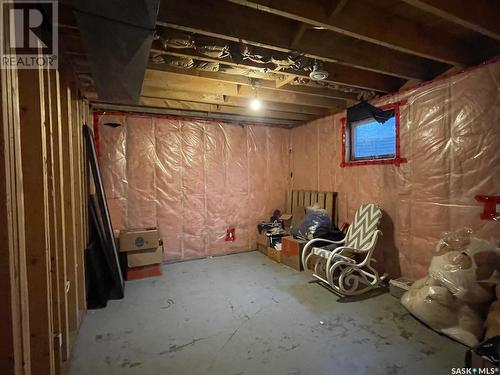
<point x="348" y="267"/>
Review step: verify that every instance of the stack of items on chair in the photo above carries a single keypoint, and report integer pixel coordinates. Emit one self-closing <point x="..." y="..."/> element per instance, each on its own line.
<point x="459" y="297"/>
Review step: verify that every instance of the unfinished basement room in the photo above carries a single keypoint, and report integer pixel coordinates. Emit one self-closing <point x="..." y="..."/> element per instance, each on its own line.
<point x="250" y="187"/>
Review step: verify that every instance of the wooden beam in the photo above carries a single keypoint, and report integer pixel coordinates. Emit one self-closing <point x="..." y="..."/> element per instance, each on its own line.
<point x="282" y="85"/>
<point x="52" y="214"/>
<point x="14" y="313"/>
<point x="59" y="182"/>
<point x="286" y="80"/>
<point x="226" y="117"/>
<point x="80" y="205"/>
<point x="237" y="23"/>
<point x="69" y="207"/>
<point x="34" y="154"/>
<point x="216" y="108"/>
<point x="361" y="20"/>
<point x="481" y="16"/>
<point x="210" y="98"/>
<point x="172" y="81"/>
<point x="337" y="73"/>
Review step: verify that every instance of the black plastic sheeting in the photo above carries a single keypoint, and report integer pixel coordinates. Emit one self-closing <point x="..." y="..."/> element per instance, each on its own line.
<point x="104" y="275"/>
<point x="364" y="110"/>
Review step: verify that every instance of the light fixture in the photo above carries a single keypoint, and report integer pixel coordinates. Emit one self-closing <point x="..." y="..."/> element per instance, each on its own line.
<point x="255" y="104"/>
<point x="317" y="73"/>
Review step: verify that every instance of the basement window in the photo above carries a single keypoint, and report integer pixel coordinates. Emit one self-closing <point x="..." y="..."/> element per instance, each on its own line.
<point x="372" y="140"/>
<point x="366" y="140"/>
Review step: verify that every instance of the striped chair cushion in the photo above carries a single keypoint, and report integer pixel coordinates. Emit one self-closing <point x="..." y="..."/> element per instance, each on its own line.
<point x="365" y="223"/>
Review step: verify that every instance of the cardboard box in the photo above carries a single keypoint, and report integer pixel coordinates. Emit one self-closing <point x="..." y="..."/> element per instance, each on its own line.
<point x="262" y="239"/>
<point x="262" y="249"/>
<point x="146" y="257"/>
<point x="137" y="273"/>
<point x="140" y="239"/>
<point x="274" y="254"/>
<point x="292" y="252"/>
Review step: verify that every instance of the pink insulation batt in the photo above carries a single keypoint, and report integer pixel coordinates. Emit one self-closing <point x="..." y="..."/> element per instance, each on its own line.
<point x="193" y="179"/>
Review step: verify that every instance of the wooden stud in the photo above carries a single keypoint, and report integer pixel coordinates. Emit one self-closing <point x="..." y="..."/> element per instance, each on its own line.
<point x="34" y="154"/>
<point x="55" y="87"/>
<point x="14" y="313"/>
<point x="53" y="217"/>
<point x="80" y="206"/>
<point x="70" y="208"/>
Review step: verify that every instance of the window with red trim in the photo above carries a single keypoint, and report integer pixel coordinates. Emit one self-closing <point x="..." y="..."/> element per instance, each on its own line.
<point x="367" y="141"/>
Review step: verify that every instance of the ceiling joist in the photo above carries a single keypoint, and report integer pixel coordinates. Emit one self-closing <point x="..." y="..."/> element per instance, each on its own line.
<point x="361" y="20"/>
<point x="481" y="16"/>
<point x="283" y="85"/>
<point x="216" y="19"/>
<point x="337" y="73"/>
<point x="173" y="81"/>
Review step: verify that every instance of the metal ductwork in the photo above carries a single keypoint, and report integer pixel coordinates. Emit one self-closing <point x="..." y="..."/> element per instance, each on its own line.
<point x="117" y="36"/>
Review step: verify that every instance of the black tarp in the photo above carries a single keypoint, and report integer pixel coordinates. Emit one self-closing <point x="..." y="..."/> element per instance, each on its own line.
<point x="365" y="110"/>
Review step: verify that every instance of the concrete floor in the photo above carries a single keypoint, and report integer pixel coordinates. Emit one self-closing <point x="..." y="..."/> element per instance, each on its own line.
<point x="245" y="314"/>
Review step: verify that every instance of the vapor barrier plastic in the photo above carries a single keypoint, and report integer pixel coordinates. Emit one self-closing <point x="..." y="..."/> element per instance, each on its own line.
<point x="193" y="179"/>
<point x="450" y="134"/>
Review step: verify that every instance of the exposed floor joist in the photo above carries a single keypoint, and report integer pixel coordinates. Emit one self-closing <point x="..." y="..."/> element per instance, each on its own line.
<point x="221" y="99"/>
<point x="359" y="19"/>
<point x="161" y="80"/>
<point x="337" y="73"/>
<point x="162" y="110"/>
<point x="249" y="81"/>
<point x="214" y="18"/>
<point x="214" y="56"/>
<point x="481" y="16"/>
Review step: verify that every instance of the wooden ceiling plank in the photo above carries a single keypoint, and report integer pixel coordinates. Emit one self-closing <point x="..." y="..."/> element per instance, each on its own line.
<point x="237" y="23"/>
<point x="359" y="19"/>
<point x="481" y="16"/>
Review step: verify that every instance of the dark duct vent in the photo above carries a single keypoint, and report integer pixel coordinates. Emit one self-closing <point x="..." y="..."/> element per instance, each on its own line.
<point x="117" y="35"/>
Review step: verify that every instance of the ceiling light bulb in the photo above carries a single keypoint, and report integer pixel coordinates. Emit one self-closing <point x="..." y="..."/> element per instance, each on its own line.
<point x="255" y="104"/>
